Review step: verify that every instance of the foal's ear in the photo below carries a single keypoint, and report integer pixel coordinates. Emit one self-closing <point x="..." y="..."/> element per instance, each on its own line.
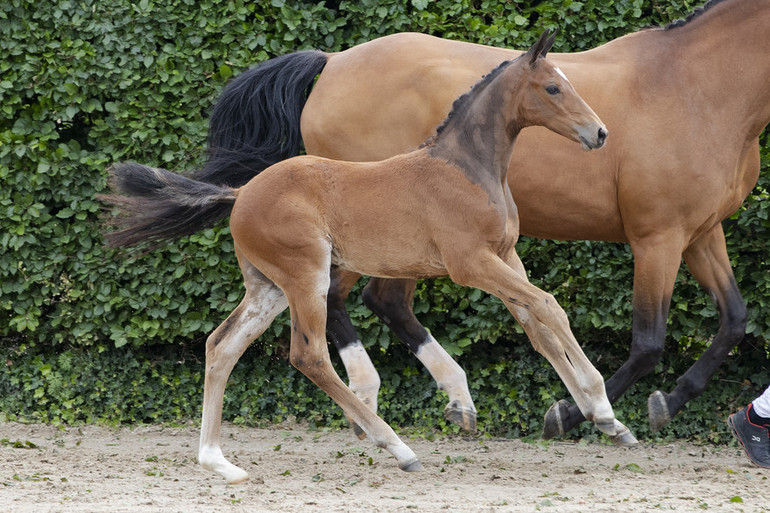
<point x="542" y="46"/>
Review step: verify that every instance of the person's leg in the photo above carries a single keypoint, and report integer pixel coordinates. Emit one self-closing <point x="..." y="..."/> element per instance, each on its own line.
<point x="761" y="405"/>
<point x="751" y="426"/>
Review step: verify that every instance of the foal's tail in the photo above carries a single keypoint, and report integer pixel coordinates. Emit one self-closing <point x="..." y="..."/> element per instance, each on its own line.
<point x="155" y="206"/>
<point x="255" y="122"/>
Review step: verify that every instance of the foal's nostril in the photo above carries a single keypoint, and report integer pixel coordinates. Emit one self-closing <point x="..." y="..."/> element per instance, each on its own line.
<point x="602" y="136"/>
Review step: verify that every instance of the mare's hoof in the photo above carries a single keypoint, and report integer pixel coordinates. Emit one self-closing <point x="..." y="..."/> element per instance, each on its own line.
<point x="657" y="411"/>
<point x="553" y="423"/>
<point x="358" y="431"/>
<point x="413" y="466"/>
<point x="463" y="417"/>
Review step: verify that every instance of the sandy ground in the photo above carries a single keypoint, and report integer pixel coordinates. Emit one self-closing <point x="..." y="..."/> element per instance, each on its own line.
<point x="296" y="469"/>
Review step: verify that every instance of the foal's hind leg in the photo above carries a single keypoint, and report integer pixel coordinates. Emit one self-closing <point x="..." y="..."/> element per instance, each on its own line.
<point x="391" y="301"/>
<point x="547" y="327"/>
<point x="262" y="303"/>
<point x="310" y="354"/>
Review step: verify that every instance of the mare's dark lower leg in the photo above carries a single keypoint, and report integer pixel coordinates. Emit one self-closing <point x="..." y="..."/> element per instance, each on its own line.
<point x="708" y="262"/>
<point x="391" y="301"/>
<point x="732" y="327"/>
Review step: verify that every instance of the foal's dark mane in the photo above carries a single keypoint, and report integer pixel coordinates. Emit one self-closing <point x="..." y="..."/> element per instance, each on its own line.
<point x="694" y="14"/>
<point x="462" y="102"/>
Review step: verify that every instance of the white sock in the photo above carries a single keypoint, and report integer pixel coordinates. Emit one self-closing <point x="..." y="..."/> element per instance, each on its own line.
<point x="761" y="404"/>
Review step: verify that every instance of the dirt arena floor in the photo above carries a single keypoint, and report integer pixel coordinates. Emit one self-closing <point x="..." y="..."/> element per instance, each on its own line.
<point x="296" y="469"/>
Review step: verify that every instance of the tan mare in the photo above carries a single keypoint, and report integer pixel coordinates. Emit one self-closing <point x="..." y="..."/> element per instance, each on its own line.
<point x="685" y="105"/>
<point x="302" y="217"/>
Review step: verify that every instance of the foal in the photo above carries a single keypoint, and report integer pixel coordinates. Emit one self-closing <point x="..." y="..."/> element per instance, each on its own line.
<point x="444" y="209"/>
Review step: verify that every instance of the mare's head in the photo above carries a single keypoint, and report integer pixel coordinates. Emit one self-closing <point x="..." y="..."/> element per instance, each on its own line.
<point x="546" y="97"/>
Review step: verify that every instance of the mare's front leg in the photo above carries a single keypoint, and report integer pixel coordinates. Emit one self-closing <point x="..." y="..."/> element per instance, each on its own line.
<point x="708" y="262"/>
<point x="391" y="301"/>
<point x="261" y="304"/>
<point x="548" y="329"/>
<point x="656" y="263"/>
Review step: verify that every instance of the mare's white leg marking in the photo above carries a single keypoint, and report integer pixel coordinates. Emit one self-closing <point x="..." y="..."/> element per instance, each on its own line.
<point x="363" y="378"/>
<point x="449" y="376"/>
<point x="254" y="315"/>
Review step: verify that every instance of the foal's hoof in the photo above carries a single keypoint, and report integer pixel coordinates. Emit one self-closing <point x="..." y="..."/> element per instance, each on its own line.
<point x="412" y="466"/>
<point x="463" y="417"/>
<point x="623" y="436"/>
<point x="608" y="427"/>
<point x="657" y="411"/>
<point x="553" y="423"/>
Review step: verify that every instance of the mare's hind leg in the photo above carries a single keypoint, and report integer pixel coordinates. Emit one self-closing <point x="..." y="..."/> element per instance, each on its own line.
<point x="363" y="378"/>
<point x="656" y="263"/>
<point x="547" y="327"/>
<point x="708" y="262"/>
<point x="391" y="301"/>
<point x="310" y="354"/>
<point x="261" y="304"/>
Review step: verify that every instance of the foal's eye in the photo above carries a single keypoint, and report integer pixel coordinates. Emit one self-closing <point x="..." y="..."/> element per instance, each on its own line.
<point x="552" y="90"/>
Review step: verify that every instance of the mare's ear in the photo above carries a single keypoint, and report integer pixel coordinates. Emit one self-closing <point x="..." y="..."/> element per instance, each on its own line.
<point x="541" y="47"/>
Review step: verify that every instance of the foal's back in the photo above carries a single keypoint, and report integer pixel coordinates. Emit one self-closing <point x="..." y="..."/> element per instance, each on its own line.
<point x="392" y="218"/>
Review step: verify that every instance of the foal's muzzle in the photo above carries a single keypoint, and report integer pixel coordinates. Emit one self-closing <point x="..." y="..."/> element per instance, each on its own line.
<point x="594" y="143"/>
<point x="601" y="137"/>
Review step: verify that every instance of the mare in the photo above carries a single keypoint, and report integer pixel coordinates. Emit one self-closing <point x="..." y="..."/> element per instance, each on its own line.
<point x="300" y="218"/>
<point x="686" y="104"/>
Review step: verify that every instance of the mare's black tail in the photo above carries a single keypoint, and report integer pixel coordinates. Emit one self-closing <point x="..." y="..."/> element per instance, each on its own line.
<point x="255" y="122"/>
<point x="155" y="206"/>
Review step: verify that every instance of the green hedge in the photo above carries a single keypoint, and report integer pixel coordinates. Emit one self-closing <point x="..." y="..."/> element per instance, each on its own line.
<point x="512" y="387"/>
<point x="85" y="83"/>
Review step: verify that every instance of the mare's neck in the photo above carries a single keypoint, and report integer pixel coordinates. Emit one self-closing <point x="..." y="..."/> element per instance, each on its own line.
<point x="479" y="136"/>
<point x="722" y="63"/>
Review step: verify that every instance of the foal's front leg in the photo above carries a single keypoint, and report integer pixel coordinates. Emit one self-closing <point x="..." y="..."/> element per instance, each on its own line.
<point x="363" y="378"/>
<point x="391" y="300"/>
<point x="548" y="329"/>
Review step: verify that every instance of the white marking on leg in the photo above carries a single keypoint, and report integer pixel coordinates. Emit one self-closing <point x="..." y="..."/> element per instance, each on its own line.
<point x="761" y="404"/>
<point x="261" y="307"/>
<point x="211" y="458"/>
<point x="363" y="378"/>
<point x="449" y="376"/>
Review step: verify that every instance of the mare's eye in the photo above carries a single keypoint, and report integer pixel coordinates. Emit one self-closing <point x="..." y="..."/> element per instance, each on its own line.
<point x="552" y="90"/>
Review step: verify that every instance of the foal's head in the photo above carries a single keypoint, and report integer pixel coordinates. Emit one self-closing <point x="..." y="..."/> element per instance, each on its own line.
<point x="546" y="97"/>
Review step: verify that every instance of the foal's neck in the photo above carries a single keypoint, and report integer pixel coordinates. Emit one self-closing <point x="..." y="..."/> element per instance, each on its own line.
<point x="479" y="134"/>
